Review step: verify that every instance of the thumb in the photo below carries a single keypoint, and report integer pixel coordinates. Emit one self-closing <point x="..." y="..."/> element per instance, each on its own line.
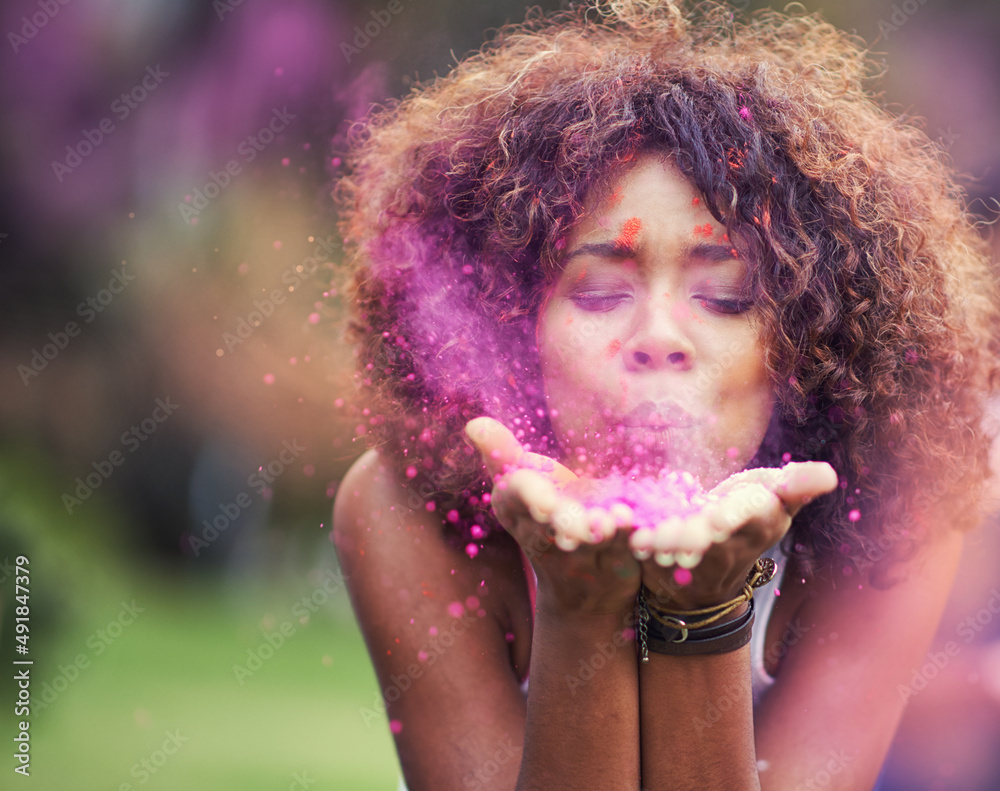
<point x="497" y="444"/>
<point x="501" y="451"/>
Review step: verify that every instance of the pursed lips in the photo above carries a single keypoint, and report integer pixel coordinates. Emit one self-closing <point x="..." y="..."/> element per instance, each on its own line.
<point x="658" y="416"/>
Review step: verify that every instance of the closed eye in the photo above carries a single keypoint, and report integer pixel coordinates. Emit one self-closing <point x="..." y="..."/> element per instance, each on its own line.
<point x="726" y="306"/>
<point x="599" y="302"/>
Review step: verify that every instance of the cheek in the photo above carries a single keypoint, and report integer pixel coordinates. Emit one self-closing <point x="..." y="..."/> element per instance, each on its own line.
<point x="567" y="341"/>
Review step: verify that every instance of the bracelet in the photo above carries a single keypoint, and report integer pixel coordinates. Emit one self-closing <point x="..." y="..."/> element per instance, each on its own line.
<point x="673" y="632"/>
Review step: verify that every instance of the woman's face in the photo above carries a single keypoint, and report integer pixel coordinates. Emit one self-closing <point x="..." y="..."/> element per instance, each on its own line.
<point x="649" y="353"/>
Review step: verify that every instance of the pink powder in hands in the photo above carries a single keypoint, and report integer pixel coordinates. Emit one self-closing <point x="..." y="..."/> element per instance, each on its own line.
<point x="652" y="500"/>
<point x="662" y="511"/>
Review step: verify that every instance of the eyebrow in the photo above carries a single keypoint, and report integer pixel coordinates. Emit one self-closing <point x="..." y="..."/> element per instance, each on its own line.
<point x="715" y="253"/>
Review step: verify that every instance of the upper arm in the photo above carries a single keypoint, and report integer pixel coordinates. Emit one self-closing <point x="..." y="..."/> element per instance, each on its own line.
<point x="835" y="705"/>
<point x="434" y="622"/>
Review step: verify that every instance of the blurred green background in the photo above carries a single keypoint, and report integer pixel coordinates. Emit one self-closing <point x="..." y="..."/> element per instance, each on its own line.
<point x="165" y="179"/>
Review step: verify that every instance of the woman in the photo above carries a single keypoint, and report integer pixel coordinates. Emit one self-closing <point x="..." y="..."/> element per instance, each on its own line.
<point x="617" y="245"/>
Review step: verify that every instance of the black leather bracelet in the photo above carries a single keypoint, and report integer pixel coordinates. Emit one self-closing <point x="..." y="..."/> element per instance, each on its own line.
<point x="716" y="639"/>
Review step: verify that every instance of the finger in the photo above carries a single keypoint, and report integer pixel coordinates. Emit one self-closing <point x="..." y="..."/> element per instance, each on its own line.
<point x="571" y="524"/>
<point x="641" y="543"/>
<point x="803" y="481"/>
<point x="496" y="443"/>
<point x="797" y="483"/>
<point x="694" y="540"/>
<point x="527" y="492"/>
<point x="601" y="523"/>
<point x="750" y="502"/>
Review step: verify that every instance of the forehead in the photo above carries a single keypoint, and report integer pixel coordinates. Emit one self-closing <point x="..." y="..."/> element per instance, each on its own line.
<point x="653" y="174"/>
<point x="647" y="208"/>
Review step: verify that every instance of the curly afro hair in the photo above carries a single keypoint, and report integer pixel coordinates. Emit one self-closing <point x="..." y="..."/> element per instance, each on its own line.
<point x="876" y="302"/>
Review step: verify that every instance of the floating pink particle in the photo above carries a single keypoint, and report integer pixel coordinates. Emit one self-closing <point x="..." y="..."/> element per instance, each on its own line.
<point x="285" y="162"/>
<point x="411" y="472"/>
<point x="471" y="550"/>
<point x="269" y="379"/>
<point x="472" y="602"/>
<point x="682" y="576"/>
<point x="431" y="506"/>
<point x="277" y="244"/>
<point x="421" y="656"/>
<point x="314" y="318"/>
<point x="452" y="515"/>
<point x="854" y="515"/>
<point x="433" y="631"/>
<point x="338" y="402"/>
<point x="786" y="457"/>
<point x="456" y="609"/>
<point x="732" y="452"/>
<point x="335" y="162"/>
<point x="395" y="726"/>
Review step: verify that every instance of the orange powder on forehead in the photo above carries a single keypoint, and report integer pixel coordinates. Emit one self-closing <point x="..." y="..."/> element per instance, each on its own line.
<point x="614" y="347"/>
<point x="630" y="230"/>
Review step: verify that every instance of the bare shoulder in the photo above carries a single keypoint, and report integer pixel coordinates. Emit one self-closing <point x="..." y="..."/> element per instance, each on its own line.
<point x="437" y="622"/>
<point x="838" y="688"/>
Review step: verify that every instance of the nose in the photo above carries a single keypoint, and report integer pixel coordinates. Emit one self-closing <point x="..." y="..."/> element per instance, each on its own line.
<point x="659" y="339"/>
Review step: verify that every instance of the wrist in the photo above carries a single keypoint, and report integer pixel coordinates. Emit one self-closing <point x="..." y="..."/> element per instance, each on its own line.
<point x="552" y="614"/>
<point x="714" y="629"/>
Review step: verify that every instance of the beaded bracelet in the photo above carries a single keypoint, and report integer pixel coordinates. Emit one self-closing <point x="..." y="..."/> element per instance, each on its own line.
<point x="673" y="632"/>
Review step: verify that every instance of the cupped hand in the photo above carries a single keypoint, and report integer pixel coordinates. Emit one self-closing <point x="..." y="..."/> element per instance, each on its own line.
<point x="581" y="556"/>
<point x="703" y="560"/>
